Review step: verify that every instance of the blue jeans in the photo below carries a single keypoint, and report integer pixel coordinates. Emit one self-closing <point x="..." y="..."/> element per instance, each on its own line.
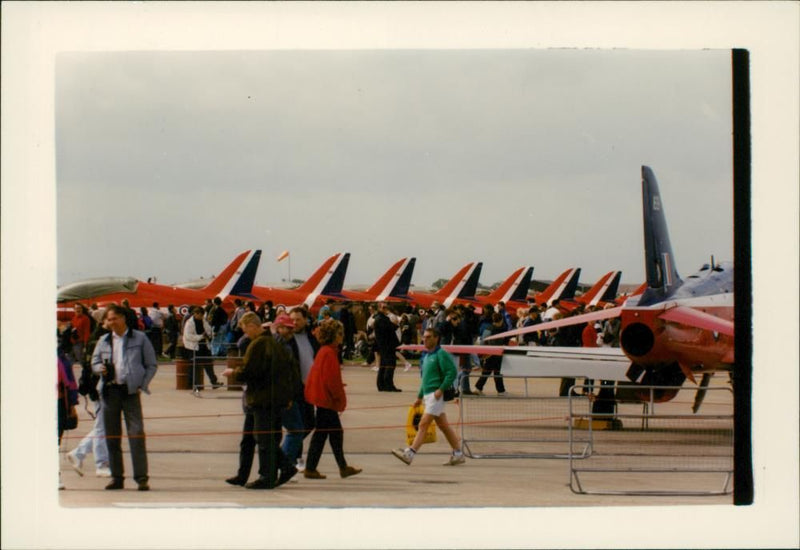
<point x="292" y="420"/>
<point x="218" y="343"/>
<point x="95" y="441"/>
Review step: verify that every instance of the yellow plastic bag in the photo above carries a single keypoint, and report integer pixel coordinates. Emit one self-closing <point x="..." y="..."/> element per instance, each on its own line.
<point x="412" y="424"/>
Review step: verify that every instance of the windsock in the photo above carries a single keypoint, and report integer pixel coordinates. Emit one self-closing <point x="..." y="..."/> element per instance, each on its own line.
<point x="282" y="256"/>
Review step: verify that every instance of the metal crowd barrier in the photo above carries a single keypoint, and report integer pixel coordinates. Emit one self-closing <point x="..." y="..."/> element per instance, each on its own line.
<point x="530" y="422"/>
<point x="669" y="453"/>
<point x="193" y="369"/>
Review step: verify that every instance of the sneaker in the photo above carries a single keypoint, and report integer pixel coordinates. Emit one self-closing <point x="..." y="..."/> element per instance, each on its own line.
<point x="301" y="465"/>
<point x="75" y="462"/>
<point x="376" y="368"/>
<point x="406" y="455"/>
<point x="476" y="391"/>
<point x="313" y="474"/>
<point x="407" y="367"/>
<point x="455" y="460"/>
<point x="103" y="471"/>
<point x="143" y="486"/>
<point x="502" y="394"/>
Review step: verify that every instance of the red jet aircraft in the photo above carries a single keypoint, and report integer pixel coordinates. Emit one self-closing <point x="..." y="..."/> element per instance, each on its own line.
<point x="672" y="331"/>
<point x="236" y="278"/>
<point x="324" y="284"/>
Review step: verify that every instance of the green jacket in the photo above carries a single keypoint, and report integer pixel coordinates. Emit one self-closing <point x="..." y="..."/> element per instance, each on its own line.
<point x="438" y="372"/>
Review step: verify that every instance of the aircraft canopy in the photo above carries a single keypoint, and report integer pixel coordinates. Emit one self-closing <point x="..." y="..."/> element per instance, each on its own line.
<point x="84" y="290"/>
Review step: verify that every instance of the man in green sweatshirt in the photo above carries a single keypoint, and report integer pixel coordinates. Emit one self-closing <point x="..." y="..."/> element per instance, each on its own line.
<point x="438" y="373"/>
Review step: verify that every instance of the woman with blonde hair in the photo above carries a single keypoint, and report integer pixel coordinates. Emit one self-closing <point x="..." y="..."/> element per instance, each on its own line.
<point x="325" y="390"/>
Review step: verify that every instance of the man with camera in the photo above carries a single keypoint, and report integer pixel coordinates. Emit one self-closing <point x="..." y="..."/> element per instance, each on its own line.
<point x="126" y="361"/>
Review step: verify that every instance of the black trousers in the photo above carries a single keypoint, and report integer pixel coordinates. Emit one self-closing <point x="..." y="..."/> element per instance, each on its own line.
<point x="156" y="336"/>
<point x="385" y="379"/>
<point x="491" y="368"/>
<point x="267" y="428"/>
<point x="328" y="427"/>
<point x="247" y="446"/>
<point x="201" y="358"/>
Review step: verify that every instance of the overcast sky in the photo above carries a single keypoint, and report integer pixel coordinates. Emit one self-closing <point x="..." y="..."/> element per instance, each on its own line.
<point x="509" y="157"/>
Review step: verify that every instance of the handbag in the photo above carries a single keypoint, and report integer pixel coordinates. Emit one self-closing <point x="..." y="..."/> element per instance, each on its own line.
<point x="450" y="393"/>
<point x="71" y="420"/>
<point x="412" y="425"/>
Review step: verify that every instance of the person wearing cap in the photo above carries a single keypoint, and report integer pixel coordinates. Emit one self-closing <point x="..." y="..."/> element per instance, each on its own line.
<point x="291" y="417"/>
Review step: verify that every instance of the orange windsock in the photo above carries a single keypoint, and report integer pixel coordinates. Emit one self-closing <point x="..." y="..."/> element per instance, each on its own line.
<point x="283" y="255"/>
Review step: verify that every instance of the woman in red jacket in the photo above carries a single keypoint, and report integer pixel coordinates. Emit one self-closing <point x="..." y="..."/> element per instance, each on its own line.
<point x="324" y="389"/>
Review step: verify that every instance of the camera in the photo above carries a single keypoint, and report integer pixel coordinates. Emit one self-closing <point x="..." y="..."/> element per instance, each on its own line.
<point x="110" y="374"/>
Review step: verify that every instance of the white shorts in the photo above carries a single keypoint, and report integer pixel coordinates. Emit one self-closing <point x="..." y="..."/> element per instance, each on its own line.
<point x="433" y="406"/>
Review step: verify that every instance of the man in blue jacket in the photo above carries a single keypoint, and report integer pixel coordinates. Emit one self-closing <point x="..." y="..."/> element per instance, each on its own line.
<point x="126" y="361"/>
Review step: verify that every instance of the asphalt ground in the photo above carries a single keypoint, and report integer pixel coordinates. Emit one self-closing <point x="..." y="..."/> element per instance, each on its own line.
<point x="192" y="442"/>
<point x="193" y="439"/>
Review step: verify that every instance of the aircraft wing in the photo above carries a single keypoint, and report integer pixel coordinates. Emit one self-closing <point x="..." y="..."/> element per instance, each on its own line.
<point x="457" y="349"/>
<point x="563" y="362"/>
<point x="698" y="319"/>
<point x="566" y="362"/>
<point x="566" y="322"/>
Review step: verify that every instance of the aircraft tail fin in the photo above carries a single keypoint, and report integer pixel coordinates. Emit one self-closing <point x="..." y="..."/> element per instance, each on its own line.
<point x="395" y="282"/>
<point x="514" y="288"/>
<point x="605" y="289"/>
<point x="471" y="283"/>
<point x="662" y="274"/>
<point x="612" y="289"/>
<point x="403" y="283"/>
<point x="316" y="278"/>
<point x="563" y="288"/>
<point x="244" y="283"/>
<point x="386" y="282"/>
<point x="454" y="281"/>
<point x="336" y="281"/>
<point x="222" y="284"/>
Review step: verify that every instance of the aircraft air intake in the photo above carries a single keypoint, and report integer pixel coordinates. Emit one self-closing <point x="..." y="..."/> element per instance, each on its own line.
<point x="637" y="339"/>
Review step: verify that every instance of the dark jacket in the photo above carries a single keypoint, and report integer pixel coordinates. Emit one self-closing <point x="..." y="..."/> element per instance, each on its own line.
<point x="261" y="371"/>
<point x="386" y="339"/>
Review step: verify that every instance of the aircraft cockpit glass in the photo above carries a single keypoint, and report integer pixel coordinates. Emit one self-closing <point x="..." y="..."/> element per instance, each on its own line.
<point x="84" y="290"/>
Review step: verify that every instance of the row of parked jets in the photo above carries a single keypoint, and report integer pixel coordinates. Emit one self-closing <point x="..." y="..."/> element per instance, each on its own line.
<point x="670" y="329"/>
<point x="327" y="282"/>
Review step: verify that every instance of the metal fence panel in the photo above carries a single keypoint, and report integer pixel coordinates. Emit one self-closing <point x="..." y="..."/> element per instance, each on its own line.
<point x="525" y="424"/>
<point x="660" y="439"/>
